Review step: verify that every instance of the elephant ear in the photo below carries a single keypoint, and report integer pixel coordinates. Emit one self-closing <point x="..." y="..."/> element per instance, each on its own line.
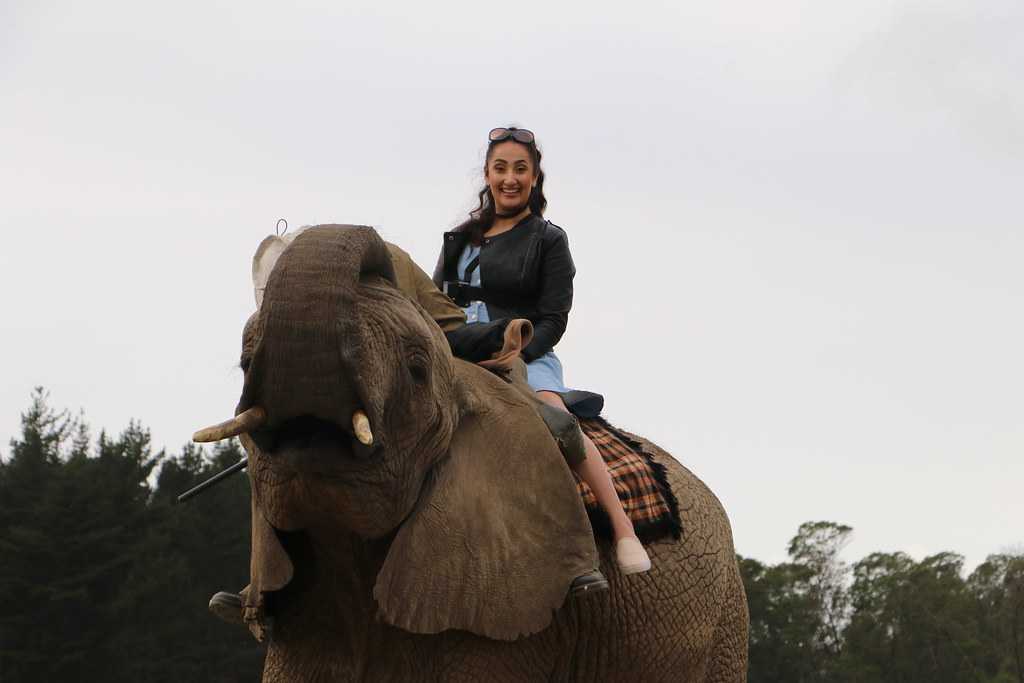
<point x="499" y="532"/>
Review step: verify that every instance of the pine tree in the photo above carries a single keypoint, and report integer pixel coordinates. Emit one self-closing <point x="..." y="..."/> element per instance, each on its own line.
<point x="192" y="550"/>
<point x="35" y="596"/>
<point x="103" y="578"/>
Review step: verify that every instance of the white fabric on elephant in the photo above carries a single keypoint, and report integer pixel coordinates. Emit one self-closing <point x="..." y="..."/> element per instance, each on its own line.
<point x="265" y="259"/>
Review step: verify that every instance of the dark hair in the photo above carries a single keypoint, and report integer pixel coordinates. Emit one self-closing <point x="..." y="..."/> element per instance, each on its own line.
<point x="482" y="217"/>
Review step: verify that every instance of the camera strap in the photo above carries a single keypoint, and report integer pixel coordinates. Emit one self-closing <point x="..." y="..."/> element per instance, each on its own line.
<point x="470" y="267"/>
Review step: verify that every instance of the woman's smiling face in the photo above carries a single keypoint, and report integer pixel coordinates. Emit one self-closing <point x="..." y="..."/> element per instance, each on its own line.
<point x="510" y="174"/>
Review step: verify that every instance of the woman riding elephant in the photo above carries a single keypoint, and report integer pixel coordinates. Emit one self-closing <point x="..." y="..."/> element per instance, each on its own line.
<point x="506" y="261"/>
<point x="409" y="512"/>
<point x="492" y="345"/>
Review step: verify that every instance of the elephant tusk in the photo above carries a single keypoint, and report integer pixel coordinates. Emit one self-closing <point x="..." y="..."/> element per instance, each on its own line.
<point x="361" y="426"/>
<point x="240" y="424"/>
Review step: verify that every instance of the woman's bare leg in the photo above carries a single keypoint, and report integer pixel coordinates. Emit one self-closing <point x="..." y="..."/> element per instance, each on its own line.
<point x="593" y="471"/>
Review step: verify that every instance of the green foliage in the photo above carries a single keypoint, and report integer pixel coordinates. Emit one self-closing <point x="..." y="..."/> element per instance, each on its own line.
<point x="784" y="621"/>
<point x="998" y="584"/>
<point x="888" y="618"/>
<point x="798" y="608"/>
<point x="102" y="577"/>
<point x="914" y="620"/>
<point x="816" y="548"/>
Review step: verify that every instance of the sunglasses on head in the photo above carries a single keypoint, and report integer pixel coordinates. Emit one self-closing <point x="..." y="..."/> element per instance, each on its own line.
<point x="518" y="134"/>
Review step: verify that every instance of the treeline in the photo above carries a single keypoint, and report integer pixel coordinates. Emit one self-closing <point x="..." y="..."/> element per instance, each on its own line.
<point x="103" y="577"/>
<point x="884" y="618"/>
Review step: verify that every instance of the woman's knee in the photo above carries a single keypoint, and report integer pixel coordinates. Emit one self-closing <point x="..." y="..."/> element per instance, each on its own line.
<point x="552" y="399"/>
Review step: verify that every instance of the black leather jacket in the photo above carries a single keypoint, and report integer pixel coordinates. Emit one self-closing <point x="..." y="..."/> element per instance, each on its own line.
<point x="526" y="272"/>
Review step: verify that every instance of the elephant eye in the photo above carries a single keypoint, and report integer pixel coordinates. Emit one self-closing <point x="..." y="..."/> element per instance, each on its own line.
<point x="418" y="372"/>
<point x="416" y="361"/>
<point x="244" y="363"/>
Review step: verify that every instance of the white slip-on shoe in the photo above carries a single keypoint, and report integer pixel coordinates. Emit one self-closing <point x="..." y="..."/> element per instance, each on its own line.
<point x="631" y="556"/>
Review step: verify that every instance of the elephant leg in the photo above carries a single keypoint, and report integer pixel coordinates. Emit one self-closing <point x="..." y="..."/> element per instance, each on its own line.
<point x="728" y="662"/>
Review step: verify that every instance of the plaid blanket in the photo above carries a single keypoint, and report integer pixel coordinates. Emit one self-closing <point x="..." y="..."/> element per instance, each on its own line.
<point x="642" y="485"/>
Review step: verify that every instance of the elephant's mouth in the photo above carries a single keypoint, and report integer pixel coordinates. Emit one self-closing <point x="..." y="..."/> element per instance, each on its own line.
<point x="312" y="445"/>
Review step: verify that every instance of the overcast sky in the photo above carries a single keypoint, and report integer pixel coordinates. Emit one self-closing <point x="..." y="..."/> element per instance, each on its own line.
<point x="797" y="225"/>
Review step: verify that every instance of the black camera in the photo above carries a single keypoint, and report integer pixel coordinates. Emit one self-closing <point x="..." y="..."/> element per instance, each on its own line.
<point x="462" y="293"/>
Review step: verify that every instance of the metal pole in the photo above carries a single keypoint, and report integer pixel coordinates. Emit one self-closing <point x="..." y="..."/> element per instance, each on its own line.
<point x="237" y="467"/>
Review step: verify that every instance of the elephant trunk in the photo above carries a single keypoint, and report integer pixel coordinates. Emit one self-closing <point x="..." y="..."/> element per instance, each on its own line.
<point x="308" y="355"/>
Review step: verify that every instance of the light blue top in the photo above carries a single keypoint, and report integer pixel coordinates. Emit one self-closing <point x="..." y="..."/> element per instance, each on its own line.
<point x="476" y="311"/>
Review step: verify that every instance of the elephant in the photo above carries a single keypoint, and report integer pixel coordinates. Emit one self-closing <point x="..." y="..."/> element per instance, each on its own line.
<point x="413" y="520"/>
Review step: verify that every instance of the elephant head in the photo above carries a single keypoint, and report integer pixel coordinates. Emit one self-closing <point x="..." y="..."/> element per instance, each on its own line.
<point x="360" y="423"/>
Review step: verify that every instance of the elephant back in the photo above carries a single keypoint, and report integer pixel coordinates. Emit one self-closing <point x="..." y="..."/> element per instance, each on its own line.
<point x="684" y="620"/>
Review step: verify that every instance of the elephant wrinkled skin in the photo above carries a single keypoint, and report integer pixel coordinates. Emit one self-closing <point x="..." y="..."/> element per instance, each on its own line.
<point x="444" y="550"/>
